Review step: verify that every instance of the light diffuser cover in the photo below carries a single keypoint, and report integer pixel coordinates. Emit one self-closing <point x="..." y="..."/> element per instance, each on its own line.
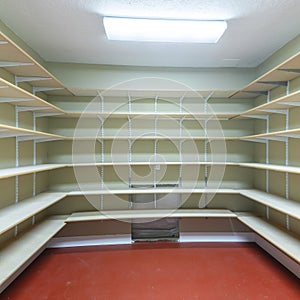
<point x="163" y="30"/>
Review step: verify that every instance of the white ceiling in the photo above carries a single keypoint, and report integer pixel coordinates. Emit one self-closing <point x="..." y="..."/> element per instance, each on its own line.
<point x="72" y="30"/>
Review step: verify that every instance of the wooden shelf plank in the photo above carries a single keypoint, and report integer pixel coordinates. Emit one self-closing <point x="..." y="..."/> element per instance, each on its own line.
<point x="12" y="52"/>
<point x="10" y="91"/>
<point x="275" y="104"/>
<point x="151" y="93"/>
<point x="292" y="133"/>
<point x="176" y="115"/>
<point x="13" y="215"/>
<point x="15" y="254"/>
<point x="169" y="137"/>
<point x="278" y="75"/>
<point x="275" y="74"/>
<point x="139" y="163"/>
<point x="279" y="237"/>
<point x="278" y="168"/>
<point x="152" y="191"/>
<point x="289" y="207"/>
<point x="11" y="131"/>
<point x="10" y="172"/>
<point x="150" y="214"/>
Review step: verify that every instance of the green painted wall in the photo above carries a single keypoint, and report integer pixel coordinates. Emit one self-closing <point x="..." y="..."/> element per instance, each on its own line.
<point x="86" y="76"/>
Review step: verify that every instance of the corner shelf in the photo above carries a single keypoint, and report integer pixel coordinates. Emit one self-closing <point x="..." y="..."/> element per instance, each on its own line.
<point x="15" y="254"/>
<point x="285" y="102"/>
<point x="11" y="216"/>
<point x="284" y="72"/>
<point x="288" y="207"/>
<point x="284" y="240"/>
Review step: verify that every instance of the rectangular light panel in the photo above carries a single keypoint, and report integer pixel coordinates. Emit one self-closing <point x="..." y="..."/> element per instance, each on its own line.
<point x="158" y="30"/>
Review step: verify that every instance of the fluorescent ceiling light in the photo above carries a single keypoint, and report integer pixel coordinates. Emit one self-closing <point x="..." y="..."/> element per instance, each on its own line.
<point x="156" y="30"/>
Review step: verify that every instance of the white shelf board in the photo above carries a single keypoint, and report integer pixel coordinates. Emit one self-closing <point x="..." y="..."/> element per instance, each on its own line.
<point x="278" y="168"/>
<point x="277" y="104"/>
<point x="152" y="163"/>
<point x="15" y="254"/>
<point x="151" y="115"/>
<point x="289" y="207"/>
<point x="151" y="93"/>
<point x="279" y="237"/>
<point x="11" y="131"/>
<point x="167" y="137"/>
<point x="291" y="133"/>
<point x="134" y="191"/>
<point x="10" y="172"/>
<point x="152" y="214"/>
<point x="13" y="215"/>
<point x="273" y="75"/>
<point x="17" y="96"/>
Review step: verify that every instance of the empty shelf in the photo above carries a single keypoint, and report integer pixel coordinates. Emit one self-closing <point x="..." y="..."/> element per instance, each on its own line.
<point x="276" y="135"/>
<point x="279" y="237"/>
<point x="140" y="137"/>
<point x="27" y="134"/>
<point x="19" y="63"/>
<point x="151" y="115"/>
<point x="152" y="214"/>
<point x="277" y="104"/>
<point x="13" y="215"/>
<point x="151" y="163"/>
<point x="289" y="207"/>
<point x="15" y="254"/>
<point x="12" y="94"/>
<point x="10" y="172"/>
<point x="152" y="191"/>
<point x="282" y="72"/>
<point x="278" y="168"/>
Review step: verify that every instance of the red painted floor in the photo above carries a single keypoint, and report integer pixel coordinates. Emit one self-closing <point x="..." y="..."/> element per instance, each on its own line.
<point x="207" y="271"/>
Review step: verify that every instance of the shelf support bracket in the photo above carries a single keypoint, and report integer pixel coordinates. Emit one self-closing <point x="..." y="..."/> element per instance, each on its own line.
<point x="44" y="140"/>
<point x="11" y="100"/>
<point x="262" y="117"/>
<point x="278" y="83"/>
<point x="19" y="79"/>
<point x="181" y="103"/>
<point x="259" y="93"/>
<point x="274" y="111"/>
<point x="40" y="115"/>
<point x="7" y="64"/>
<point x="30" y="108"/>
<point x="290" y="103"/>
<point x="276" y="138"/>
<point x="255" y="140"/>
<point x="290" y="70"/>
<point x="37" y="89"/>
